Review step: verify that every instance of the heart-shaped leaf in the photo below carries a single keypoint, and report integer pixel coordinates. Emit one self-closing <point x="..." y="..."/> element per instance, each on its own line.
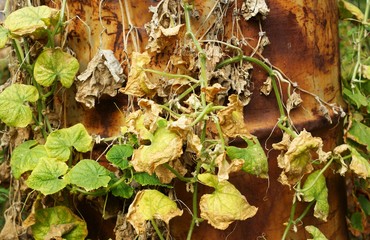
<point x="225" y="205"/>
<point x="26" y="156"/>
<point x="166" y="146"/>
<point x="53" y="64"/>
<point x="13" y="110"/>
<point x="118" y="155"/>
<point x="58" y="223"/>
<point x="148" y="205"/>
<point x="255" y="160"/>
<point x="319" y="192"/>
<point x="29" y="19"/>
<point x="46" y="176"/>
<point x="59" y="143"/>
<point x="88" y="174"/>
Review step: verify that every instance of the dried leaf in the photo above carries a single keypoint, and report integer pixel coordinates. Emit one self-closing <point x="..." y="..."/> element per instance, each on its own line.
<point x="251" y="8"/>
<point x="165" y="146"/>
<point x="296" y="161"/>
<point x="315" y="232"/>
<point x="150" y="205"/>
<point x="293" y="101"/>
<point x="352" y="9"/>
<point x="137" y="77"/>
<point x="165" y="175"/>
<point x="231" y="118"/>
<point x="359" y="164"/>
<point x="104" y="75"/>
<point x="266" y="87"/>
<point x="225" y="205"/>
<point x="211" y="92"/>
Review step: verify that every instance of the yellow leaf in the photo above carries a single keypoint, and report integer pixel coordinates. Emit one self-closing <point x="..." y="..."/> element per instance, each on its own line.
<point x="148" y="205"/>
<point x="225" y="205"/>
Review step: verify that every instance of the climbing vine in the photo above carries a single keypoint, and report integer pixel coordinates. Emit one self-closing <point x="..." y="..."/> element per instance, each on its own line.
<point x="179" y="126"/>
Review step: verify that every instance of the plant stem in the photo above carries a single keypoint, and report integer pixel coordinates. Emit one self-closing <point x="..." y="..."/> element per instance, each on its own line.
<point x="291" y="221"/>
<point x="202" y="114"/>
<point x="155" y="226"/>
<point x="177" y="174"/>
<point x="194" y="219"/>
<point x="202" y="55"/>
<point x="219" y="130"/>
<point x="317" y="178"/>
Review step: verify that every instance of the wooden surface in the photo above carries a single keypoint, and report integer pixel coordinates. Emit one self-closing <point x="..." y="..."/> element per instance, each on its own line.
<point x="304" y="45"/>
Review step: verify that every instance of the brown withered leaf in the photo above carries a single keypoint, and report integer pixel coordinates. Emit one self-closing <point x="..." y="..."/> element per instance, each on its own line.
<point x="224" y="166"/>
<point x="251" y="8"/>
<point x="165" y="175"/>
<point x="212" y="91"/>
<point x="137" y="78"/>
<point x="266" y="87"/>
<point x="293" y="101"/>
<point x="163" y="25"/>
<point x="231" y="118"/>
<point x="104" y="75"/>
<point x="296" y="161"/>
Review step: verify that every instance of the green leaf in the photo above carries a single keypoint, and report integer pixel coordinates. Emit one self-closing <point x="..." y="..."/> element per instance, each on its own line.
<point x="365" y="204"/>
<point x="350" y="10"/>
<point x="356" y="221"/>
<point x="359" y="164"/>
<point x="118" y="155"/>
<point x="317" y="191"/>
<point x="53" y="64"/>
<point x="29" y="19"/>
<point x="13" y="110"/>
<point x="46" y="176"/>
<point x="225" y="205"/>
<point x="121" y="190"/>
<point x="4" y="35"/>
<point x="59" y="143"/>
<point x="25" y="157"/>
<point x="89" y="175"/>
<point x="145" y="179"/>
<point x="315" y="232"/>
<point x="58" y="223"/>
<point x="360" y="133"/>
<point x="255" y="160"/>
<point x="356" y="97"/>
<point x="149" y="205"/>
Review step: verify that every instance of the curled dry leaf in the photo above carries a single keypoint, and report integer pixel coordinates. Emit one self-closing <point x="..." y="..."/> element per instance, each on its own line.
<point x="266" y="87"/>
<point x="150" y="205"/>
<point x="163" y="25"/>
<point x="104" y="75"/>
<point x="337" y="151"/>
<point x="251" y="8"/>
<point x="137" y="77"/>
<point x="296" y="160"/>
<point x="232" y="120"/>
<point x="293" y="101"/>
<point x="212" y="91"/>
<point x="225" y="205"/>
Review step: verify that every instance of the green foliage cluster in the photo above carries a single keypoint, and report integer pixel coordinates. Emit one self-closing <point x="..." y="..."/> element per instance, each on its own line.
<point x="354" y="30"/>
